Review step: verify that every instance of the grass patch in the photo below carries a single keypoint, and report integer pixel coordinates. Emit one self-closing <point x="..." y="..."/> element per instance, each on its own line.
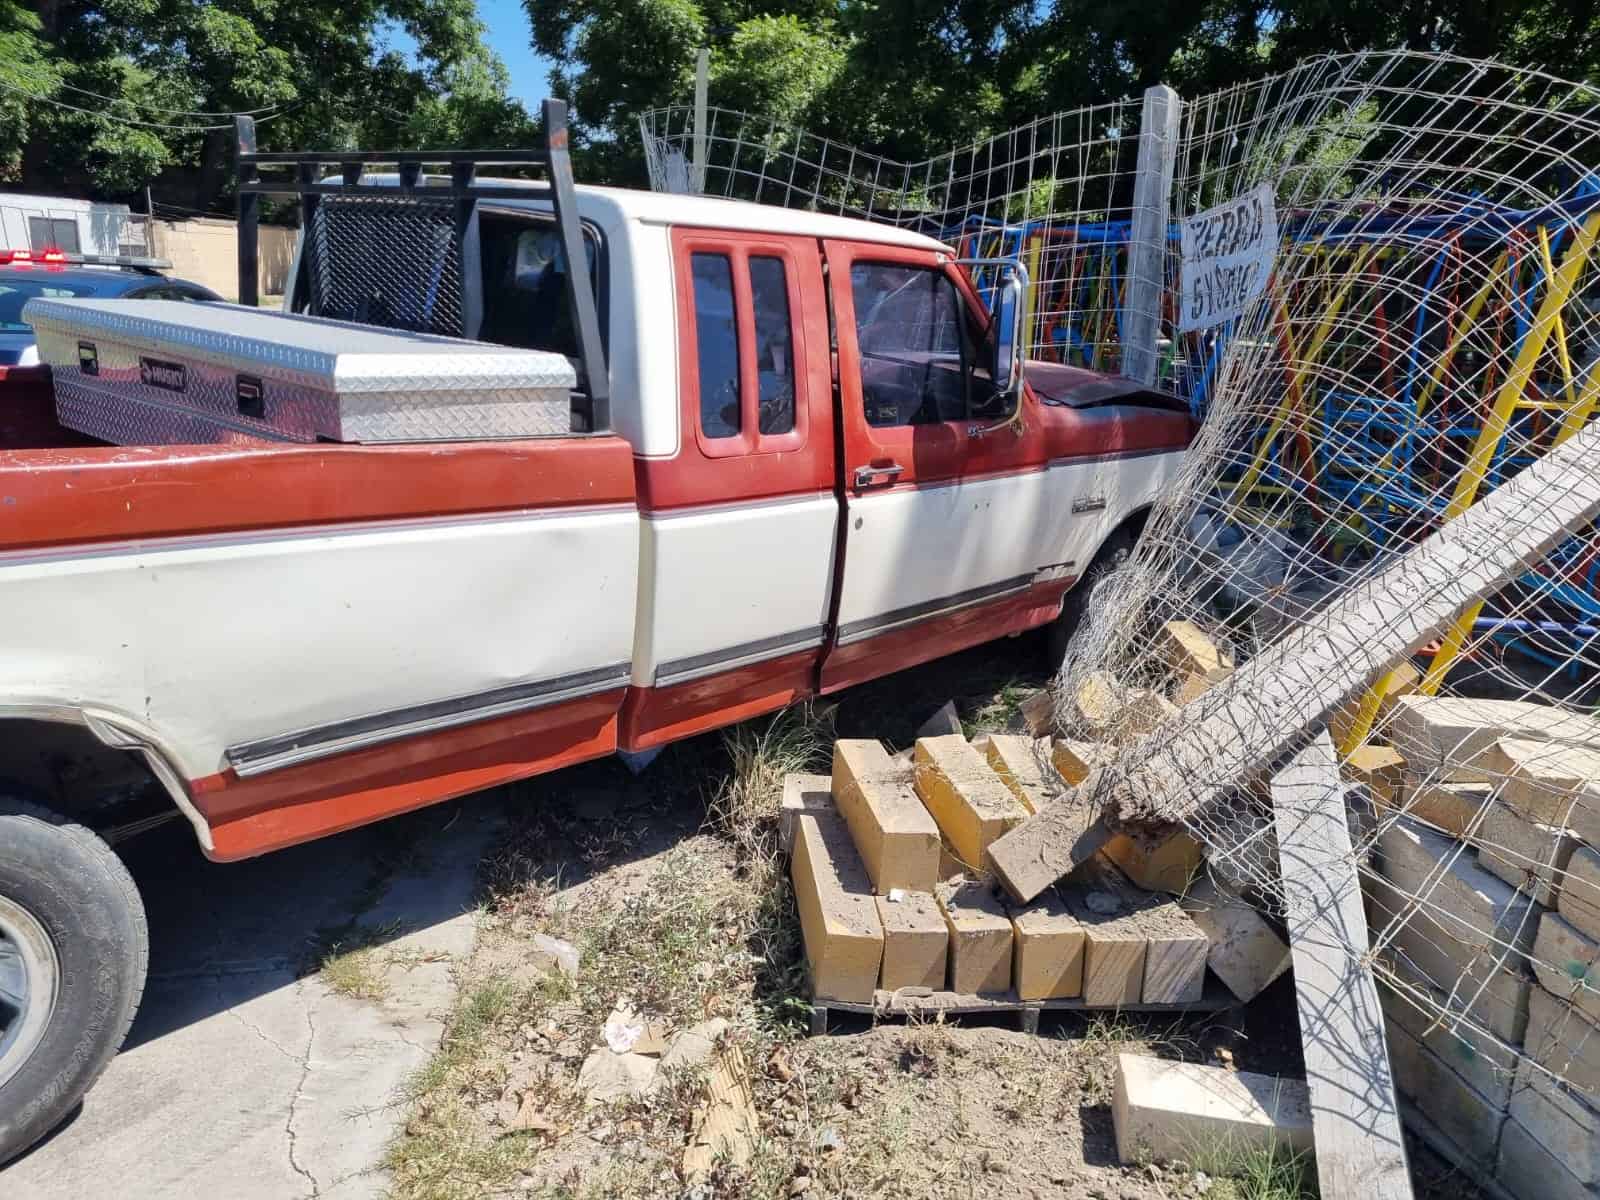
<point x="355" y="964"/>
<point x="1000" y="712"/>
<point x="1275" y="1173"/>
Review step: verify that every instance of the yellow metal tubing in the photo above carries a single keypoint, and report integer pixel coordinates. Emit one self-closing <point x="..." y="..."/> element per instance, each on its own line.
<point x="1562" y="356"/>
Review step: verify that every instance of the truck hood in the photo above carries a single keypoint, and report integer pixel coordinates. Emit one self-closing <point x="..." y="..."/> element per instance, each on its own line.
<point x="1075" y="387"/>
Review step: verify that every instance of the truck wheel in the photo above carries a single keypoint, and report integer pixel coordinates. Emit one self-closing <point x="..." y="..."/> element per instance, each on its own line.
<point x="73" y="953"/>
<point x="1113" y="553"/>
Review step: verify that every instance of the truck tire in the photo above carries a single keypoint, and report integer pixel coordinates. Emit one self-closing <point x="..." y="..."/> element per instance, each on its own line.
<point x="1113" y="553"/>
<point x="73" y="953"/>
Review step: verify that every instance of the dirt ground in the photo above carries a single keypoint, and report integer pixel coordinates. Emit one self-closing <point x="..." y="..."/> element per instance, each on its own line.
<point x="669" y="888"/>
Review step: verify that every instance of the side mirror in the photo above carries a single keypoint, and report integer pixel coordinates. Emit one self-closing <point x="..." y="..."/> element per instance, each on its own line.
<point x="1005" y="367"/>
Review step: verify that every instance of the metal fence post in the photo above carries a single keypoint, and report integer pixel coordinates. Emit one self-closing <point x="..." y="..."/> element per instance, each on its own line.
<point x="702" y="77"/>
<point x="1147" y="245"/>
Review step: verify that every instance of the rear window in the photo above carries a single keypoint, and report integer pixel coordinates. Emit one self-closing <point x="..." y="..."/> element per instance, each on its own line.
<point x="525" y="284"/>
<point x="15" y="292"/>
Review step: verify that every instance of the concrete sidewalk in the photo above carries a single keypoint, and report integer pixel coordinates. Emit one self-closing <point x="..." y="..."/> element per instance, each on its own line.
<point x="241" y="1079"/>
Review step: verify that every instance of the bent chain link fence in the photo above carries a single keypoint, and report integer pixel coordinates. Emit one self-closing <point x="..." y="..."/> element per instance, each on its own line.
<point x="1431" y="328"/>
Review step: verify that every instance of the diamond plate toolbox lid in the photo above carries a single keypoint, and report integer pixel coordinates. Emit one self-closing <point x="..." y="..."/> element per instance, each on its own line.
<point x="148" y="372"/>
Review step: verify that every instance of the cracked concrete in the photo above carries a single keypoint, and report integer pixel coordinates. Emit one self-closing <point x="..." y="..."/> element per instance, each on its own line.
<point x="242" y="1079"/>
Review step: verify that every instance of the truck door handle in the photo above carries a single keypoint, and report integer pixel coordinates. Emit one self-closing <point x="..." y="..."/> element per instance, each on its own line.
<point x="889" y="471"/>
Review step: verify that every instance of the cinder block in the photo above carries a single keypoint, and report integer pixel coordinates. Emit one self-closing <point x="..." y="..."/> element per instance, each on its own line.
<point x="1158" y="863"/>
<point x="1452" y="737"/>
<point x="1495" y="996"/>
<point x="1568" y="965"/>
<point x="1552" y="784"/>
<point x="1579" y="901"/>
<point x="1380" y="768"/>
<point x="1476" y="907"/>
<point x="1108" y="712"/>
<point x="1466" y="1116"/>
<point x="1532" y="857"/>
<point x="1165" y="1111"/>
<point x="1559" y="1120"/>
<point x="1245" y="951"/>
<point x="1563" y="1041"/>
<point x="916" y="942"/>
<point x="895" y="834"/>
<point x="1074" y="760"/>
<point x="980" y="938"/>
<point x="970" y="803"/>
<point x="1452" y="808"/>
<point x="838" y="917"/>
<point x="802" y="793"/>
<point x="1017" y="760"/>
<point x="1432" y="1018"/>
<point x="1049" y="950"/>
<point x="1188" y="650"/>
<point x="1525" y="1168"/>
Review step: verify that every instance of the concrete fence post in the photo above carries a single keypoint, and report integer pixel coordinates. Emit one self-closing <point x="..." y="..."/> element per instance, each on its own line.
<point x="1147" y="246"/>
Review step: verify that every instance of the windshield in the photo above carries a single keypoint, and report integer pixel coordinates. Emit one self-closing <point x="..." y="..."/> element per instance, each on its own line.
<point x="14" y="293"/>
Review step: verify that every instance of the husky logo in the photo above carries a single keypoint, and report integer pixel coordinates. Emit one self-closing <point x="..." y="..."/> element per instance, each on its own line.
<point x="157" y="373"/>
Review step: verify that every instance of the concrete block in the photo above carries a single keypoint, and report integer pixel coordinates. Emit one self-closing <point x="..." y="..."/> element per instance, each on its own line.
<point x="1167" y="1111"/>
<point x="1563" y="1041"/>
<point x="1552" y="784"/>
<point x="1187" y="650"/>
<point x="1158" y="862"/>
<point x="1018" y="760"/>
<point x="1579" y="901"/>
<point x="1074" y="760"/>
<point x="970" y="803"/>
<point x="1559" y="1120"/>
<point x="1453" y="737"/>
<point x="1532" y="857"/>
<point x="945" y="721"/>
<point x="1495" y="996"/>
<point x="1244" y="950"/>
<point x="1525" y="1168"/>
<point x="1452" y="808"/>
<point x="1192" y="687"/>
<point x="1464" y="1114"/>
<point x="1140" y="946"/>
<point x="896" y="835"/>
<point x="1048" y="844"/>
<point x="1380" y="768"/>
<point x="1429" y="1016"/>
<point x="1567" y="964"/>
<point x="1037" y="714"/>
<point x="980" y="938"/>
<point x="1476" y="907"/>
<point x="802" y="793"/>
<point x="916" y="943"/>
<point x="1108" y="712"/>
<point x="1049" y="944"/>
<point x="838" y="917"/>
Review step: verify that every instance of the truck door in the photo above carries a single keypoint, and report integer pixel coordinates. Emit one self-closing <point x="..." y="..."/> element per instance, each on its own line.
<point x="944" y="497"/>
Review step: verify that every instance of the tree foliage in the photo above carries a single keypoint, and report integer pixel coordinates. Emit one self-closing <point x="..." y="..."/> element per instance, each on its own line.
<point x="914" y="77"/>
<point x="106" y="96"/>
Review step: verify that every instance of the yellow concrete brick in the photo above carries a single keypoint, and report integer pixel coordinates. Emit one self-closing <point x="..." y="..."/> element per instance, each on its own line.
<point x="838" y="917"/>
<point x="1189" y="651"/>
<point x="1453" y="808"/>
<point x="895" y="834"/>
<point x="1049" y="950"/>
<point x="1379" y="768"/>
<point x="916" y="942"/>
<point x="980" y="938"/>
<point x="1245" y="952"/>
<point x="1527" y="854"/>
<point x="1163" y="1110"/>
<point x="1453" y="737"/>
<point x="1017" y="760"/>
<point x="802" y="792"/>
<point x="1074" y="760"/>
<point x="1552" y="784"/>
<point x="1158" y="863"/>
<point x="970" y="803"/>
<point x="1107" y="711"/>
<point x="1139" y="946"/>
<point x="1192" y="687"/>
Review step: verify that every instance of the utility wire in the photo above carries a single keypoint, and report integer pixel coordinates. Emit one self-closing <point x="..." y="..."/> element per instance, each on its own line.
<point x="11" y="87"/>
<point x="177" y="112"/>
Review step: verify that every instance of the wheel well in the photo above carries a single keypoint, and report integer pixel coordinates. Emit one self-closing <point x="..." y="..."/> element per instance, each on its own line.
<point x="76" y="774"/>
<point x="1135" y="522"/>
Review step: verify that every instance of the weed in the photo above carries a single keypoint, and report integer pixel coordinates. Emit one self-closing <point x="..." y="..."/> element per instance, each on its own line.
<point x="356" y="965"/>
<point x="1272" y="1173"/>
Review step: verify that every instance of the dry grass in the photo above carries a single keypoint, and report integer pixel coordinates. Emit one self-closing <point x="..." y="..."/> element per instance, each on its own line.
<point x="355" y="964"/>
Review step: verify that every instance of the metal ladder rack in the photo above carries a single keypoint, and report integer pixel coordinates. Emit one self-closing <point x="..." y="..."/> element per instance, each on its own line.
<point x="457" y="187"/>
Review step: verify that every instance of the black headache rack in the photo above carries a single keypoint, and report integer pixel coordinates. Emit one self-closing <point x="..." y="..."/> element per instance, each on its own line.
<point x="404" y="254"/>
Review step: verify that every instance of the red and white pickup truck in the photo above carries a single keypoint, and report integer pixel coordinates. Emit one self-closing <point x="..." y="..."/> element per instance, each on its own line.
<point x="810" y="478"/>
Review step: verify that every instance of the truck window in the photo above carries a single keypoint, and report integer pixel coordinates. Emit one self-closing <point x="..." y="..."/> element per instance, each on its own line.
<point x="525" y="282"/>
<point x="769" y="297"/>
<point x="717" y="345"/>
<point x="916" y="351"/>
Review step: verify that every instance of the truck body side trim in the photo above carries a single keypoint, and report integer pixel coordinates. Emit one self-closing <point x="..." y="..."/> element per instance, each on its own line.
<point x="695" y="666"/>
<point x="883" y="622"/>
<point x="305" y="745"/>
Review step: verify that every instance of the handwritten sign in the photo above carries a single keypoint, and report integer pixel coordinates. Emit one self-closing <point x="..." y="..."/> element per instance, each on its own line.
<point x="1227" y="257"/>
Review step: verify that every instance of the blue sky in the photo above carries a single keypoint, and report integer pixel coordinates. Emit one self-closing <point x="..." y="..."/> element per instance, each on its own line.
<point x="510" y="38"/>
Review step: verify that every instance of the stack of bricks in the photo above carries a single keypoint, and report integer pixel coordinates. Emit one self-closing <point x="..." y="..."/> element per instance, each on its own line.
<point x="1485" y="900"/>
<point x="890" y="862"/>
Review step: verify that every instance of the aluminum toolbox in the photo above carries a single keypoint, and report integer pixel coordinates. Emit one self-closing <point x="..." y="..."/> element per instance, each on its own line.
<point x="150" y="372"/>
